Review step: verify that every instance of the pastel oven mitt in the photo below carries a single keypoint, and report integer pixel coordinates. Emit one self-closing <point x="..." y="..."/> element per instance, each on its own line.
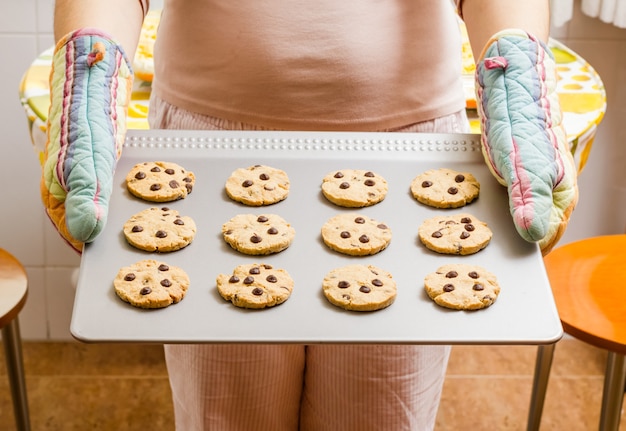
<point x="90" y="88"/>
<point x="523" y="139"/>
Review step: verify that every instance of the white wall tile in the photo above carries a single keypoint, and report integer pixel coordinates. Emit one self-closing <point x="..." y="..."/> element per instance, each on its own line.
<point x="17" y="16"/>
<point x="45" y="16"/>
<point x="60" y="294"/>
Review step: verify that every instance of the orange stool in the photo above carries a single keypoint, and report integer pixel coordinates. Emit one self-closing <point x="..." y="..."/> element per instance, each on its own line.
<point x="587" y="279"/>
<point x="13" y="292"/>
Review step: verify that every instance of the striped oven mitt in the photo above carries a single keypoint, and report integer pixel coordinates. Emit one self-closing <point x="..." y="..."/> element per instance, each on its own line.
<point x="523" y="139"/>
<point x="90" y="88"/>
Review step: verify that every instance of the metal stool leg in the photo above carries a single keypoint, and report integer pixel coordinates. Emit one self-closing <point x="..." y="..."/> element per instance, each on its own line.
<point x="613" y="392"/>
<point x="545" y="353"/>
<point x="15" y="370"/>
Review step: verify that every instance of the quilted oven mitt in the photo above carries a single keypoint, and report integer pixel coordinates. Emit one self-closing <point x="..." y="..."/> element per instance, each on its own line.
<point x="523" y="140"/>
<point x="90" y="88"/>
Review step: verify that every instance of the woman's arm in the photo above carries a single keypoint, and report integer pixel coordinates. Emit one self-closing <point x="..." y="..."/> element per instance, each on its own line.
<point x="121" y="19"/>
<point x="484" y="18"/>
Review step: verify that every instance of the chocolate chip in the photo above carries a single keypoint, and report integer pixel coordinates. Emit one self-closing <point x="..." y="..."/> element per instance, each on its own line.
<point x="382" y="226"/>
<point x="189" y="187"/>
<point x="364" y="239"/>
<point x="187" y="180"/>
<point x="466" y="220"/>
<point x="370" y="183"/>
<point x="137" y="229"/>
<point x="473" y="274"/>
<point x="453" y="190"/>
<point x="255" y="270"/>
<point x="255" y="239"/>
<point x="345" y="234"/>
<point x="146" y="290"/>
<point x="163" y="267"/>
<point x="448" y="287"/>
<point x="257" y="291"/>
<point x="266" y="266"/>
<point x="174" y="184"/>
<point x="262" y="219"/>
<point x="271" y="278"/>
<point x="343" y="284"/>
<point x="338" y="175"/>
<point x="140" y="175"/>
<point x="377" y="282"/>
<point x="155" y="169"/>
<point x="246" y="183"/>
<point x="437" y="234"/>
<point x="344" y="185"/>
<point x="233" y="279"/>
<point x="272" y="231"/>
<point x="459" y="178"/>
<point x="452" y="274"/>
<point x="160" y="234"/>
<point x="248" y="280"/>
<point x="155" y="187"/>
<point x="264" y="177"/>
<point x="365" y="289"/>
<point x="179" y="222"/>
<point x="129" y="277"/>
<point x="469" y="227"/>
<point x="359" y="220"/>
<point x="170" y="171"/>
<point x="369" y="174"/>
<point x="166" y="283"/>
<point x="478" y="287"/>
<point x="426" y="184"/>
<point x="464" y="235"/>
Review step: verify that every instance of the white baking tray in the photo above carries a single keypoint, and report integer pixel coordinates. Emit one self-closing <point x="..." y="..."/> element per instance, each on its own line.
<point x="524" y="313"/>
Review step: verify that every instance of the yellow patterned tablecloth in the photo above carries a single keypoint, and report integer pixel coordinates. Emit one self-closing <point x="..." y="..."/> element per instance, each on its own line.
<point x="580" y="89"/>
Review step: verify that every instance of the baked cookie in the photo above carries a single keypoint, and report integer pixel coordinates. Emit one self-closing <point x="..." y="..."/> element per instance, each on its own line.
<point x="151" y="284"/>
<point x="159" y="181"/>
<point x="456" y="234"/>
<point x="462" y="287"/>
<point x="445" y="188"/>
<point x="159" y="229"/>
<point x="354" y="188"/>
<point x="258" y="234"/>
<point x="359" y="288"/>
<point x="255" y="286"/>
<point x="257" y="185"/>
<point x="356" y="235"/>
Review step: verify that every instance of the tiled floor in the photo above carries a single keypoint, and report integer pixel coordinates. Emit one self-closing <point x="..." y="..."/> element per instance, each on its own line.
<point x="74" y="386"/>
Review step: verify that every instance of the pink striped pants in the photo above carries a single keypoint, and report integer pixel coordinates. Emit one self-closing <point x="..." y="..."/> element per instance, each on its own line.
<point x="238" y="387"/>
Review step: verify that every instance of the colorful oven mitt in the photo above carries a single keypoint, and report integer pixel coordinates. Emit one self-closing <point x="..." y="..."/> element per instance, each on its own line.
<point x="90" y="88"/>
<point x="523" y="139"/>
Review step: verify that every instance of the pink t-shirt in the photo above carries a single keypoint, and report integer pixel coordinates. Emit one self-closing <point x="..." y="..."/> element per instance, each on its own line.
<point x="311" y="65"/>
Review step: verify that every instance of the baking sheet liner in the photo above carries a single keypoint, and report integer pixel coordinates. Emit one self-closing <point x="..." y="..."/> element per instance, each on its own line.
<point x="524" y="313"/>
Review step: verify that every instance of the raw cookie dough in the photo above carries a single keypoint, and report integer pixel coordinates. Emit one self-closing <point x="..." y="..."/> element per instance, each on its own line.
<point x="456" y="234"/>
<point x="356" y="235"/>
<point x="258" y="234"/>
<point x="258" y="185"/>
<point x="160" y="230"/>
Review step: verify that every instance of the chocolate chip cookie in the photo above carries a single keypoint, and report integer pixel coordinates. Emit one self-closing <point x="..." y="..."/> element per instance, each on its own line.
<point x="445" y="188"/>
<point x="354" y="188"/>
<point x="258" y="185"/>
<point x="258" y="234"/>
<point x="151" y="284"/>
<point x="356" y="235"/>
<point x="255" y="286"/>
<point x="160" y="230"/>
<point x="462" y="287"/>
<point x="160" y="181"/>
<point x="360" y="288"/>
<point x="456" y="234"/>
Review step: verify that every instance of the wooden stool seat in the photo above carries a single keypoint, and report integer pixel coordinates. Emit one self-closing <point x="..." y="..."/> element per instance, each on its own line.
<point x="13" y="293"/>
<point x="588" y="280"/>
